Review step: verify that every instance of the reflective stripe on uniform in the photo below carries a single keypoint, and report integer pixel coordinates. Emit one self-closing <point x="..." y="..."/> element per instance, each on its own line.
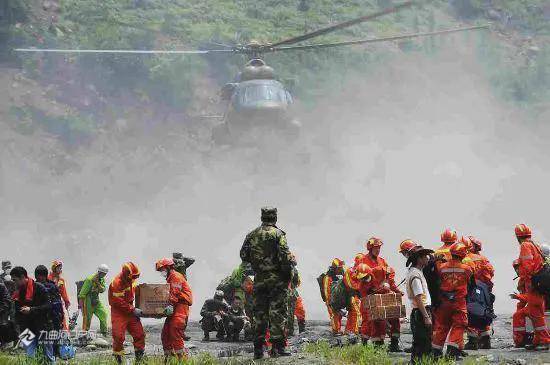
<point x="118" y="353"/>
<point x="437" y="347"/>
<point x="485" y="333"/>
<point x="542" y="328"/>
<point x="519" y="329"/>
<point x="528" y="257"/>
<point x="452" y="269"/>
<point x="118" y="294"/>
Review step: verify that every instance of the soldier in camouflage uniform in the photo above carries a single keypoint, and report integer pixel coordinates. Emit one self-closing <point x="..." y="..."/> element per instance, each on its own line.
<point x="267" y="251"/>
<point x="182" y="263"/>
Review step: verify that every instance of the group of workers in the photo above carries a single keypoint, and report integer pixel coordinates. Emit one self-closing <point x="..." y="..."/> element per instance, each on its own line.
<point x="449" y="289"/>
<point x="450" y="293"/>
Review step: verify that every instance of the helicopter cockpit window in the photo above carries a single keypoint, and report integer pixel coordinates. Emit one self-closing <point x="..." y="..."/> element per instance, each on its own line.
<point x="253" y="94"/>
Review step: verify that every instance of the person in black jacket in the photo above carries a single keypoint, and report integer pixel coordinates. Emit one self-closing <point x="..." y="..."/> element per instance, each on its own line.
<point x="213" y="313"/>
<point x="56" y="313"/>
<point x="32" y="313"/>
<point x="8" y="332"/>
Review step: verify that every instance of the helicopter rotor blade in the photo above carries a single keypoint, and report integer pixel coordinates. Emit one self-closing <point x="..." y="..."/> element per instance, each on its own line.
<point x="122" y="51"/>
<point x="377" y="40"/>
<point x="338" y="26"/>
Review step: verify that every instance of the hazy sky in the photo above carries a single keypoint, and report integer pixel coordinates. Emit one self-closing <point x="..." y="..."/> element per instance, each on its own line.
<point x="420" y="145"/>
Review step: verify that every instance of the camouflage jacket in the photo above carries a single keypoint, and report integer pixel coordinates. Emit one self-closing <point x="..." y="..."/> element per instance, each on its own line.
<point x="266" y="249"/>
<point x="181" y="265"/>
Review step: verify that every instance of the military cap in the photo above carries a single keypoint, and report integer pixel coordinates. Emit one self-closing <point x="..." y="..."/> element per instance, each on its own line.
<point x="6" y="265"/>
<point x="269" y="213"/>
<point x="177" y="255"/>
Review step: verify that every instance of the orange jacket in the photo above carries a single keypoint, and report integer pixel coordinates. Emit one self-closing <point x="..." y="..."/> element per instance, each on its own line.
<point x="379" y="262"/>
<point x="60" y="282"/>
<point x="327" y="287"/>
<point x="530" y="262"/>
<point x="483" y="270"/>
<point x="455" y="277"/>
<point x="180" y="292"/>
<point x="350" y="280"/>
<point x="443" y="253"/>
<point x="121" y="295"/>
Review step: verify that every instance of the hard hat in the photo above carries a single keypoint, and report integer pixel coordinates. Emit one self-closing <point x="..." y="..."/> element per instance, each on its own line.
<point x="449" y="236"/>
<point x="130" y="270"/>
<point x="164" y="263"/>
<point x="219" y="294"/>
<point x="458" y="249"/>
<point x="467" y="242"/>
<point x="476" y="243"/>
<point x="103" y="268"/>
<point x="269" y="214"/>
<point x="545" y="249"/>
<point x="523" y="231"/>
<point x="56" y="263"/>
<point x="336" y="262"/>
<point x="373" y="242"/>
<point x="358" y="258"/>
<point x="362" y="271"/>
<point x="407" y="245"/>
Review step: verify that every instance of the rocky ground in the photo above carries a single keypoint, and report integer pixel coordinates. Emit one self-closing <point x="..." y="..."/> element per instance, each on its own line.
<point x="503" y="351"/>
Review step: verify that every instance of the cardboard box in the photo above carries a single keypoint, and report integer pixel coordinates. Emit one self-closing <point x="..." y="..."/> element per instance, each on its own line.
<point x="384" y="300"/>
<point x="389" y="312"/>
<point x="152" y="299"/>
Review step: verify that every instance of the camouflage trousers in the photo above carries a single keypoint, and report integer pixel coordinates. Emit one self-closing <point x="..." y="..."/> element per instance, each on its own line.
<point x="270" y="311"/>
<point x="291" y="309"/>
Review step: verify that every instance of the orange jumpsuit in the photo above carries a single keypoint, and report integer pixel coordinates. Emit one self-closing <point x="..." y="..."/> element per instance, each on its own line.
<point x="121" y="300"/>
<point x="60" y="282"/>
<point x="483" y="272"/>
<point x="354" y="315"/>
<point x="519" y="323"/>
<point x="451" y="316"/>
<point x="181" y="299"/>
<point x="335" y="320"/>
<point x="443" y="254"/>
<point x="531" y="262"/>
<point x="377" y="329"/>
<point x="300" y="310"/>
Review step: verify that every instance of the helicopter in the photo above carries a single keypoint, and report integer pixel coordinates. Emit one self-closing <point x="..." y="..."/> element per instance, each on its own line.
<point x="256" y="100"/>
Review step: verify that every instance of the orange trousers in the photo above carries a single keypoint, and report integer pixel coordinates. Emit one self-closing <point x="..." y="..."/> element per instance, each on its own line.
<point x="172" y="335"/>
<point x="534" y="310"/>
<point x="122" y="322"/>
<point x="451" y="319"/>
<point x="300" y="311"/>
<point x="335" y="321"/>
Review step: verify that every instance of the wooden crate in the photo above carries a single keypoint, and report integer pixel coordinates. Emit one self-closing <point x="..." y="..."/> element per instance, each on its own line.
<point x="152" y="299"/>
<point x="387" y="312"/>
<point x="384" y="300"/>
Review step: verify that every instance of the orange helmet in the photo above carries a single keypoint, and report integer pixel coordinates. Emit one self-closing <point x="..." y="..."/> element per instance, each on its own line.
<point x="362" y="271"/>
<point x="373" y="242"/>
<point x="130" y="270"/>
<point x="358" y="258"/>
<point x="449" y="236"/>
<point x="466" y="241"/>
<point x="476" y="243"/>
<point x="458" y="249"/>
<point x="336" y="263"/>
<point x="56" y="263"/>
<point x="164" y="263"/>
<point x="407" y="245"/>
<point x="522" y="230"/>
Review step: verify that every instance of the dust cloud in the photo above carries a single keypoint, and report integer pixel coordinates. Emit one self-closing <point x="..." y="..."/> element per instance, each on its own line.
<point x="418" y="145"/>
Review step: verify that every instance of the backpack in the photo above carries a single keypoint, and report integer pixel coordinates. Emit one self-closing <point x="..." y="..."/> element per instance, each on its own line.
<point x="480" y="305"/>
<point x="339" y="295"/>
<point x="320" y="280"/>
<point x="541" y="280"/>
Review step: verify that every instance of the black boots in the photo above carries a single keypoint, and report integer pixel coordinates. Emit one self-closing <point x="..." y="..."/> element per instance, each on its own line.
<point x="437" y="353"/>
<point x="378" y="343"/>
<point x="484" y="343"/>
<point x="301" y="326"/>
<point x="278" y="349"/>
<point x="472" y="344"/>
<point x="206" y="337"/>
<point x="258" y="349"/>
<point x="453" y="353"/>
<point x="118" y="359"/>
<point x="394" y="345"/>
<point x="139" y="356"/>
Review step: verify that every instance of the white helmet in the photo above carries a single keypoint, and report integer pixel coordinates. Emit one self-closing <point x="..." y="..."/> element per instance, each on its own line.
<point x="103" y="268"/>
<point x="545" y="250"/>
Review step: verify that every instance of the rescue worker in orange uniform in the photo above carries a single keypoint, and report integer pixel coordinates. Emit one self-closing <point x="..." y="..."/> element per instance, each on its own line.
<point x="478" y="338"/>
<point x="365" y="276"/>
<point x="177" y="313"/>
<point x="451" y="317"/>
<point x="300" y="313"/>
<point x="335" y="272"/>
<point x="351" y="286"/>
<point x="530" y="262"/>
<point x="448" y="237"/>
<point x="55" y="276"/>
<point x="124" y="316"/>
<point x="373" y="259"/>
<point x="521" y="336"/>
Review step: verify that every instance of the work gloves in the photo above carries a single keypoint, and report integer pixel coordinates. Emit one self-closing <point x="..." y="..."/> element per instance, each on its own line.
<point x="169" y="310"/>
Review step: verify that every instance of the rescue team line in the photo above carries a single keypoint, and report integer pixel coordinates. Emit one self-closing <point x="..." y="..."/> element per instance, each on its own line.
<point x="449" y="290"/>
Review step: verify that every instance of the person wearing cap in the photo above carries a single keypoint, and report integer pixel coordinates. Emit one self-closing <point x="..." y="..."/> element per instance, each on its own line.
<point x="213" y="312"/>
<point x="182" y="263"/>
<point x="266" y="249"/>
<point x="530" y="262"/>
<point x="334" y="273"/>
<point x="88" y="299"/>
<point x="420" y="300"/>
<point x="6" y="268"/>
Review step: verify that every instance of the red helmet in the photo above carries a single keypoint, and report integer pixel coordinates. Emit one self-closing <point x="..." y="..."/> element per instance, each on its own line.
<point x="362" y="271"/>
<point x="56" y="263"/>
<point x="407" y="245"/>
<point x="476" y="243"/>
<point x="458" y="249"/>
<point x="449" y="236"/>
<point x="164" y="263"/>
<point x="373" y="242"/>
<point x="336" y="263"/>
<point x="358" y="258"/>
<point x="466" y="241"/>
<point x="130" y="270"/>
<point x="523" y="231"/>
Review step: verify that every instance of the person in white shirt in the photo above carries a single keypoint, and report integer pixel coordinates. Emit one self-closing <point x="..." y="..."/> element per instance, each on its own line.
<point x="419" y="297"/>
